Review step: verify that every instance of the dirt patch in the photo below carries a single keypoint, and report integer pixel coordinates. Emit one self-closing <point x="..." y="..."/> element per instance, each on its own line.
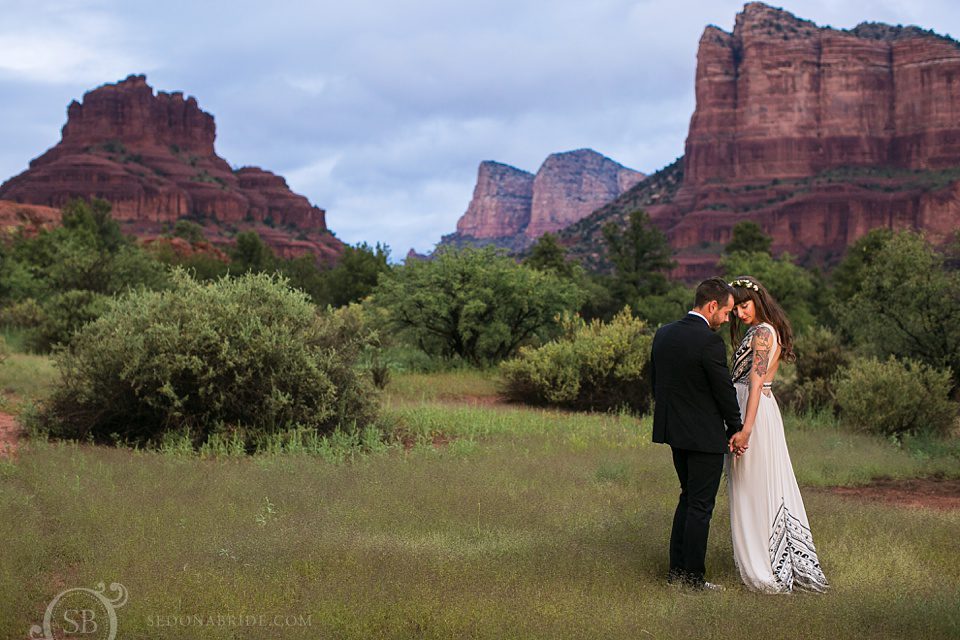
<point x="409" y="440"/>
<point x="9" y="436"/>
<point x="931" y="493"/>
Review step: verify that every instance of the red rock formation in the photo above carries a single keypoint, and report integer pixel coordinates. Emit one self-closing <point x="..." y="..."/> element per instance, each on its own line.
<point x="152" y="156"/>
<point x="512" y="207"/>
<point x="501" y="202"/>
<point x="572" y="185"/>
<point x="14" y="216"/>
<point x="781" y="97"/>
<point x="817" y="134"/>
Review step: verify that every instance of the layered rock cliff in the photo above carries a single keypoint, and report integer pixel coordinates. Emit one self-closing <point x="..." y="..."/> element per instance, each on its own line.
<point x="152" y="156"/>
<point x="501" y="204"/>
<point x="512" y="207"/>
<point x="570" y="186"/>
<point x="817" y="134"/>
<point x="780" y="97"/>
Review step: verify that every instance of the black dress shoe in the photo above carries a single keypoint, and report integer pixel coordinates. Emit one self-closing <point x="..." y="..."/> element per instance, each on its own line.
<point x="703" y="585"/>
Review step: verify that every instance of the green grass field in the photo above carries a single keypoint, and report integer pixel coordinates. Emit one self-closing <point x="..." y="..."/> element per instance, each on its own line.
<point x="522" y="523"/>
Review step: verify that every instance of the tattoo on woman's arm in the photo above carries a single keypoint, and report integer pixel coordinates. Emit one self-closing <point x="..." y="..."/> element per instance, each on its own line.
<point x="762" y="341"/>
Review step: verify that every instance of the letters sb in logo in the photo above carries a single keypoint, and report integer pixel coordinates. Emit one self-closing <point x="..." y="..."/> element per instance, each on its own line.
<point x="82" y="613"/>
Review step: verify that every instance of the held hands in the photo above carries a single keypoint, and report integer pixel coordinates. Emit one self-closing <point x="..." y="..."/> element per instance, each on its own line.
<point x="739" y="443"/>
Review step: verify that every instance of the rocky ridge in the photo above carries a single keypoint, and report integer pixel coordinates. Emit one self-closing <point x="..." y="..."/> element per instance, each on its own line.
<point x="151" y="155"/>
<point x="817" y="134"/>
<point x="512" y="207"/>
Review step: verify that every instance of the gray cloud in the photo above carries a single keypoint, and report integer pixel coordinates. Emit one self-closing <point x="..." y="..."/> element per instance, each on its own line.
<point x="380" y="112"/>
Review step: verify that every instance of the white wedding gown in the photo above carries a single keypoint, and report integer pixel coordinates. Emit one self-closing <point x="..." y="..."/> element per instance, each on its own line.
<point x="772" y="543"/>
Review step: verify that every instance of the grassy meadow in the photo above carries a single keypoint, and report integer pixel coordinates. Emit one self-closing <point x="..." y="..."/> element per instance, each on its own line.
<point x="475" y="520"/>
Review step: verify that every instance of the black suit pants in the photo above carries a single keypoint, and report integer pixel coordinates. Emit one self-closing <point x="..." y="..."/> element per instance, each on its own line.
<point x="699" y="475"/>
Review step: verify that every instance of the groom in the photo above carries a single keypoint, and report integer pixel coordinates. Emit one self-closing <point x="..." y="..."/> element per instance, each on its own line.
<point x="696" y="413"/>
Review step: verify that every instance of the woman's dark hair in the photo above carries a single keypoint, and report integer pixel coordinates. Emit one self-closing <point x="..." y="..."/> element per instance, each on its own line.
<point x="767" y="310"/>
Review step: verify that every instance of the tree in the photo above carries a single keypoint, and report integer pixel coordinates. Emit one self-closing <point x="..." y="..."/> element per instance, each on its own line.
<point x="251" y="254"/>
<point x="356" y="275"/>
<point x="908" y="305"/>
<point x="473" y="304"/>
<point x="351" y="280"/>
<point x="951" y="254"/>
<point x="668" y="306"/>
<point x="598" y="301"/>
<point x="547" y="255"/>
<point x="71" y="271"/>
<point x="189" y="231"/>
<point x="792" y="286"/>
<point x="94" y="218"/>
<point x="748" y="237"/>
<point x="202" y="265"/>
<point x="640" y="255"/>
<point x="847" y="278"/>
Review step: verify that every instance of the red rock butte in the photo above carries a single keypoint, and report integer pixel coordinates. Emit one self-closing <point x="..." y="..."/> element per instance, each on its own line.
<point x="514" y="207"/>
<point x="819" y="135"/>
<point x="152" y="157"/>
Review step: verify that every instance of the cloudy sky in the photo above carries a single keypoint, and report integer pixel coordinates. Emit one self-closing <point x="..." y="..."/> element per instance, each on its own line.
<point x="380" y="111"/>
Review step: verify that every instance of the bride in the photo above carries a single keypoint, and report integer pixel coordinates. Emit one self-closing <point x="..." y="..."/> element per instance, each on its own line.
<point x="772" y="543"/>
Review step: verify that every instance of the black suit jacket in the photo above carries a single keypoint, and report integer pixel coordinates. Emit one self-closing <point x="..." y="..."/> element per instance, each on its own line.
<point x="695" y="404"/>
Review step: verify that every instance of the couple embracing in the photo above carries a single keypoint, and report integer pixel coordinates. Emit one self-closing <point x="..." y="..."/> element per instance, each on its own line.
<point x="714" y="419"/>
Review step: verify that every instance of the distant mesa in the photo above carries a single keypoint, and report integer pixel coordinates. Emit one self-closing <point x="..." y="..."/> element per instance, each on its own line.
<point x="152" y="157"/>
<point x="414" y="256"/>
<point x="817" y="134"/>
<point x="512" y="207"/>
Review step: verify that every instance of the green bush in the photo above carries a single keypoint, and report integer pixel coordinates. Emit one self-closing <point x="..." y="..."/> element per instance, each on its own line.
<point x="907" y="304"/>
<point x="62" y="315"/>
<point x="23" y="314"/>
<point x="189" y="231"/>
<point x="593" y="365"/>
<point x="820" y="355"/>
<point x="244" y="355"/>
<point x="472" y="305"/>
<point x="893" y="398"/>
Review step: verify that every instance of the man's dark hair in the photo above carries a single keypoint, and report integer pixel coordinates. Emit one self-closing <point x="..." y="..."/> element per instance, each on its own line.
<point x="713" y="289"/>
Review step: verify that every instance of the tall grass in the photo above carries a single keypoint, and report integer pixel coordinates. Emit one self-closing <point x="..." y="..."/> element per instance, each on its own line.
<point x="528" y="523"/>
<point x="456" y="384"/>
<point x="25" y="378"/>
<point x="532" y="533"/>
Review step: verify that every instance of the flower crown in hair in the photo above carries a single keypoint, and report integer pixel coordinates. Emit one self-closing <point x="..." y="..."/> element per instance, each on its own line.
<point x="746" y="284"/>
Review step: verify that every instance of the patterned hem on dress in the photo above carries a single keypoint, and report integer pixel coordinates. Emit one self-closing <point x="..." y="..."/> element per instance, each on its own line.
<point x="793" y="557"/>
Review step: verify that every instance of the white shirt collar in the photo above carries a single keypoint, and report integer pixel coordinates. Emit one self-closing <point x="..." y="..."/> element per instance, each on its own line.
<point x="699" y="315"/>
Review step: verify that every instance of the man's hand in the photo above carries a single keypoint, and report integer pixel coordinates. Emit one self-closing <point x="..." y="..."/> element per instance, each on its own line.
<point x="739" y="443"/>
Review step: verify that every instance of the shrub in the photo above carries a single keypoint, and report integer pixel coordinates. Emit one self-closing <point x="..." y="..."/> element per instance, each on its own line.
<point x="893" y="398"/>
<point x="242" y="355"/>
<point x="591" y="365"/>
<point x="26" y="313"/>
<point x="667" y="307"/>
<point x="62" y="315"/>
<point x="189" y="231"/>
<point x="908" y="304"/>
<point x="820" y="355"/>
